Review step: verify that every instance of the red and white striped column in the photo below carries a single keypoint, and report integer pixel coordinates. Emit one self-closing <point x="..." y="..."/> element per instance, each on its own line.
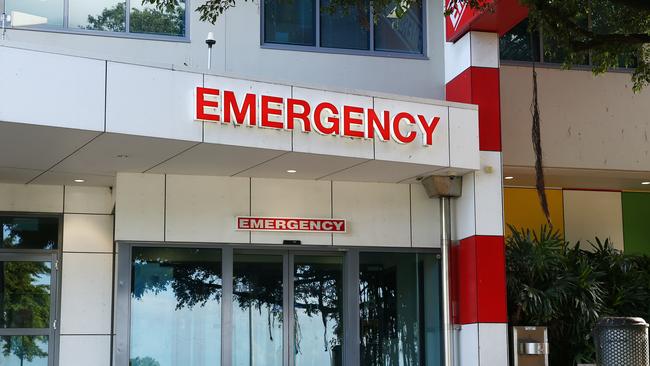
<point x="478" y="287"/>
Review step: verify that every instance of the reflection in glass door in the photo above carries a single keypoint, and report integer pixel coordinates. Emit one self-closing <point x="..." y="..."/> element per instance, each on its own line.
<point x="318" y="310"/>
<point x="26" y="303"/>
<point x="257" y="309"/>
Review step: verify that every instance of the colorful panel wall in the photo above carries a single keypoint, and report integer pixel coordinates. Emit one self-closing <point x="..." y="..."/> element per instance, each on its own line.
<point x="582" y="215"/>
<point x="636" y="222"/>
<point x="522" y="209"/>
<point x="591" y="214"/>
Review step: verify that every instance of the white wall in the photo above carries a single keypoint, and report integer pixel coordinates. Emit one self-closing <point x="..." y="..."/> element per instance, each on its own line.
<point x="203" y="209"/>
<point x="86" y="264"/>
<point x="238" y="52"/>
<point x="587" y="121"/>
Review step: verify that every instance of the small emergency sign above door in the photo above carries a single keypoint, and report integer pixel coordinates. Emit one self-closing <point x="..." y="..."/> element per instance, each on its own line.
<point x="291" y="224"/>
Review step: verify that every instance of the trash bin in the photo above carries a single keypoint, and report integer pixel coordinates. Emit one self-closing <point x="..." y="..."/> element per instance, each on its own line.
<point x="621" y="342"/>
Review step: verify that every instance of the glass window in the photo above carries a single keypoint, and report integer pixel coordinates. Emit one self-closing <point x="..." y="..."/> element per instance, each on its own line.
<point x="25" y="297"/>
<point x="50" y="9"/>
<point x="176" y="307"/>
<point x="290" y="22"/>
<point x="318" y="308"/>
<point x="147" y="19"/>
<point x="399" y="309"/>
<point x="345" y="28"/>
<point x="257" y="310"/>
<point x="29" y="232"/>
<point x="399" y="29"/>
<point x="518" y="45"/>
<point x="23" y="350"/>
<point x="101" y="15"/>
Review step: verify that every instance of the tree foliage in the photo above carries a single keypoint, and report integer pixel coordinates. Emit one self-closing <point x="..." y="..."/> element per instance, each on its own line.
<point x="147" y="20"/>
<point x="553" y="283"/>
<point x="24" y="302"/>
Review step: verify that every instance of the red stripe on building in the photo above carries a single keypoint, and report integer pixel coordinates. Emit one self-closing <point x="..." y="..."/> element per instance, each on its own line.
<point x="480" y="86"/>
<point x="479" y="281"/>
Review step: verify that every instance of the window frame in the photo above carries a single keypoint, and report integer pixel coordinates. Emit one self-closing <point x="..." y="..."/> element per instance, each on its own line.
<point x="346" y="51"/>
<point x="350" y="277"/>
<point x="41" y="255"/>
<point x="127" y="34"/>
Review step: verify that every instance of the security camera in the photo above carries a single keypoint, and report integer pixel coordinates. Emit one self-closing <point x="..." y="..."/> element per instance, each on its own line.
<point x="209" y="40"/>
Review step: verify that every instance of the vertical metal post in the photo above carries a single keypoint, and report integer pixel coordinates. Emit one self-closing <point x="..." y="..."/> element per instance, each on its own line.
<point x="445" y="244"/>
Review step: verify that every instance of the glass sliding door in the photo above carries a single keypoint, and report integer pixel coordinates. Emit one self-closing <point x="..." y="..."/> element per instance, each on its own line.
<point x="399" y="309"/>
<point x="176" y="307"/>
<point x="318" y="310"/>
<point x="258" y="309"/>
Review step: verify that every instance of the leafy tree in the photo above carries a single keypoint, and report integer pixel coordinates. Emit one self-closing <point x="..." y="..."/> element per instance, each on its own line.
<point x="145" y="361"/>
<point x="553" y="283"/>
<point x="147" y="20"/>
<point x="24" y="301"/>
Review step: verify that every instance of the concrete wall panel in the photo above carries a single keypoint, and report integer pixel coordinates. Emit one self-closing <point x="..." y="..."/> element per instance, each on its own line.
<point x="203" y="209"/>
<point x="140" y="207"/>
<point x="378" y="213"/>
<point x="591" y="214"/>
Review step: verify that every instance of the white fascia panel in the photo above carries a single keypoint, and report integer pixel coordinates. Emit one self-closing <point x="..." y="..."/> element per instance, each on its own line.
<point x="245" y="135"/>
<point x="153" y="102"/>
<point x="485" y="49"/>
<point x="52" y="90"/>
<point x="437" y="154"/>
<point x="316" y="143"/>
<point x="464" y="138"/>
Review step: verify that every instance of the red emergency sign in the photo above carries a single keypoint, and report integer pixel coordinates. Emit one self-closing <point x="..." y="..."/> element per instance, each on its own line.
<point x="291" y="224"/>
<point x="325" y="118"/>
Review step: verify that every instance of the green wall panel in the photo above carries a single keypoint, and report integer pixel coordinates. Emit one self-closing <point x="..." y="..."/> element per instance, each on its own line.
<point x="636" y="222"/>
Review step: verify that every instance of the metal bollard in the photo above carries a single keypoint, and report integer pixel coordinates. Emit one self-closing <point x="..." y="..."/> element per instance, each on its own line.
<point x="621" y="342"/>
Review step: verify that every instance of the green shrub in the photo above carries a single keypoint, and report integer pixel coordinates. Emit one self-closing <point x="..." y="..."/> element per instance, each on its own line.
<point x="553" y="283"/>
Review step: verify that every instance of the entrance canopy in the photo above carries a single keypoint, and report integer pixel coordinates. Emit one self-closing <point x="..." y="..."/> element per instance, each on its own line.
<point x="66" y="117"/>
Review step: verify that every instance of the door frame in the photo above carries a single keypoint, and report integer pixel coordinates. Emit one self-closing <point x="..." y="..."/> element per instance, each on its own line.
<point x="51" y="331"/>
<point x="350" y="269"/>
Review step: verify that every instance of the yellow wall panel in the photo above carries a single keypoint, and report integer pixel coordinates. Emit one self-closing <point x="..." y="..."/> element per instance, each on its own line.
<point x="522" y="209"/>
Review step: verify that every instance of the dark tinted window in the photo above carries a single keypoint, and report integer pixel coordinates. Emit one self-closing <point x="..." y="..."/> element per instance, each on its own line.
<point x="399" y="32"/>
<point x="399" y="309"/>
<point x="27" y="232"/>
<point x="519" y="45"/>
<point x="345" y="28"/>
<point x="290" y="22"/>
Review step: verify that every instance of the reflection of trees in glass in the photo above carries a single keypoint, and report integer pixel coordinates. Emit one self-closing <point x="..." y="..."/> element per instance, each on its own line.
<point x="25" y="348"/>
<point x="318" y="292"/>
<point x="147" y="20"/>
<point x="390" y="333"/>
<point x="145" y="361"/>
<point x="255" y="286"/>
<point x="193" y="282"/>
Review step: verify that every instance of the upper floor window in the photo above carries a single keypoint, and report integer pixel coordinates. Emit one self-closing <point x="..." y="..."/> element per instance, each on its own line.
<point x="519" y="44"/>
<point x="118" y="16"/>
<point x="323" y="24"/>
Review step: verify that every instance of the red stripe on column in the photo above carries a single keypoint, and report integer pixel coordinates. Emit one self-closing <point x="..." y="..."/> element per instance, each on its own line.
<point x="480" y="86"/>
<point x="480" y="280"/>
